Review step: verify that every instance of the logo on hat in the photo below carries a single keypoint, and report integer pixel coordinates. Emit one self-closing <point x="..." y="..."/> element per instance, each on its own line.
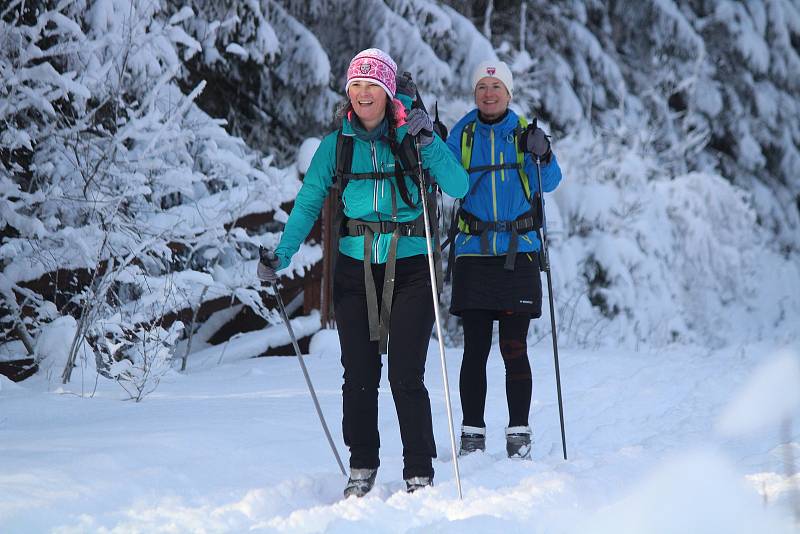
<point x="490" y="71"/>
<point x="365" y="67"/>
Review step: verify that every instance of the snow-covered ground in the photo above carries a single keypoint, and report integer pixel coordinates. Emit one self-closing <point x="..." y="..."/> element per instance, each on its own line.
<point x="677" y="440"/>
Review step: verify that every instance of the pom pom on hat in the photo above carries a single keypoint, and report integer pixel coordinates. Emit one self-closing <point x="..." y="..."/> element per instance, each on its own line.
<point x="376" y="66"/>
<point x="493" y="69"/>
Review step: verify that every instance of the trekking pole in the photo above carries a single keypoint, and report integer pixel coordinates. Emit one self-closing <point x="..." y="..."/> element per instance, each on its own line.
<point x="546" y="267"/>
<point x="435" y="293"/>
<point x="285" y="317"/>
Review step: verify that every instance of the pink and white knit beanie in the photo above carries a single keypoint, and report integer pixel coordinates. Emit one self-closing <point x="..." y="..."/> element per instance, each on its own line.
<point x="373" y="65"/>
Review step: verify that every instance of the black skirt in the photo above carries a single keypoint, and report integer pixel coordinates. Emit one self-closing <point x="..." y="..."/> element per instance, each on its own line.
<point x="481" y="283"/>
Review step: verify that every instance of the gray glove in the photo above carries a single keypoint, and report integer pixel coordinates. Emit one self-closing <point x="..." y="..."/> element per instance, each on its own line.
<point x="267" y="266"/>
<point x="537" y="142"/>
<point x="420" y="123"/>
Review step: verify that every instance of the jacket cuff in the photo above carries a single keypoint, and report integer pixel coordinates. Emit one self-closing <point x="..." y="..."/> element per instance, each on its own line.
<point x="285" y="261"/>
<point x="547" y="158"/>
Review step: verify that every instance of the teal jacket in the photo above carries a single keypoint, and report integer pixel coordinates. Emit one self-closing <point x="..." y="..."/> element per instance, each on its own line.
<point x="369" y="200"/>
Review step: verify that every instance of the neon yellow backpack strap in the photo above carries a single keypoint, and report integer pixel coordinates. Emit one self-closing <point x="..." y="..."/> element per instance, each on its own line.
<point x="523" y="176"/>
<point x="467" y="135"/>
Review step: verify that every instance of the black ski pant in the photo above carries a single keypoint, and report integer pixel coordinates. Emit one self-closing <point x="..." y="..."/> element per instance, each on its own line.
<point x="409" y="332"/>
<point x="514" y="349"/>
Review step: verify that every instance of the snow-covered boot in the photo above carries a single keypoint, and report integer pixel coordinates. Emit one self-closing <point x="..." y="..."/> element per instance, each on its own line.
<point x="415" y="483"/>
<point x="473" y="438"/>
<point x="518" y="442"/>
<point x="360" y="482"/>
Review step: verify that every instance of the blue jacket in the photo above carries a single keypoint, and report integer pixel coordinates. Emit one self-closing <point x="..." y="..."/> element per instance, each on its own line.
<point x="498" y="195"/>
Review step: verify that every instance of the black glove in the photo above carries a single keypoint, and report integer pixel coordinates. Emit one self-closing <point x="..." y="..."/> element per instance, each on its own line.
<point x="267" y="266"/>
<point x="438" y="126"/>
<point x="405" y="85"/>
<point x="420" y="123"/>
<point x="535" y="141"/>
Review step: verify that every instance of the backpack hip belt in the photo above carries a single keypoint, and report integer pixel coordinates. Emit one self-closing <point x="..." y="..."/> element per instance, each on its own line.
<point x="358" y="227"/>
<point x="471" y="225"/>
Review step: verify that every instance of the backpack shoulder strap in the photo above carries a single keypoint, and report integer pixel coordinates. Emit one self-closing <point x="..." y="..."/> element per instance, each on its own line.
<point x="344" y="159"/>
<point x="523" y="176"/>
<point x="467" y="136"/>
<point x="405" y="162"/>
<point x="406" y="153"/>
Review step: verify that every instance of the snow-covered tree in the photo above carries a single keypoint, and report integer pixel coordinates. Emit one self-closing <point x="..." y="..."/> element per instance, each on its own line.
<point x="115" y="180"/>
<point x="147" y="149"/>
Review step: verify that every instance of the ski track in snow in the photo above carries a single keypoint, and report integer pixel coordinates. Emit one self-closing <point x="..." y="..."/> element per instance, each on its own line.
<point x="238" y="447"/>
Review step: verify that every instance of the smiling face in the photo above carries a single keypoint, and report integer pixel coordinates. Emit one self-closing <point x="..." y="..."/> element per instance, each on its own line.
<point x="491" y="97"/>
<point x="369" y="102"/>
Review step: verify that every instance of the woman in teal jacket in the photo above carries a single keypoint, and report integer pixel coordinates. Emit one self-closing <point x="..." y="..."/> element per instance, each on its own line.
<point x="382" y="238"/>
<point x="496" y="271"/>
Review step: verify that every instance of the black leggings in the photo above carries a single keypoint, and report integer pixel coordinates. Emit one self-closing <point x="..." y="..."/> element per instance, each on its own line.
<point x="513" y="347"/>
<point x="409" y="333"/>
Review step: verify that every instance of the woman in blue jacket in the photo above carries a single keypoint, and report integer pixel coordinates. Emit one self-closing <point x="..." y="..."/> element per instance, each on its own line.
<point x="496" y="271"/>
<point x="381" y="260"/>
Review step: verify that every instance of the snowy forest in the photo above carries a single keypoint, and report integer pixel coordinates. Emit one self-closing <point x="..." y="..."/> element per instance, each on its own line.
<point x="148" y="148"/>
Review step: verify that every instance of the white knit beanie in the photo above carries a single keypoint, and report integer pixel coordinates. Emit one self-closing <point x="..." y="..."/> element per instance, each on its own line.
<point x="494" y="69"/>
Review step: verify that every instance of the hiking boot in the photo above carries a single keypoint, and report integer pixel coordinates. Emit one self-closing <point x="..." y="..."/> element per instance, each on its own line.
<point x="415" y="483"/>
<point x="360" y="482"/>
<point x="473" y="438"/>
<point x="518" y="442"/>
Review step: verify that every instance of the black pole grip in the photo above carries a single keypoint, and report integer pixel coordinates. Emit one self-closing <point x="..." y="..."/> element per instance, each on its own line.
<point x="438" y="126"/>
